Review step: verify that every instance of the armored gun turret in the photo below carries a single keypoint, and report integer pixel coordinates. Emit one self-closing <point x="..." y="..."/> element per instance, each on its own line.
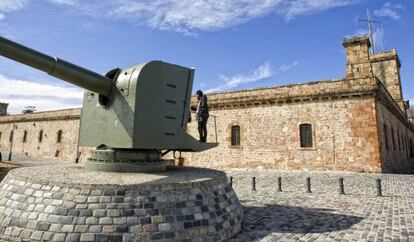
<point x="132" y="116"/>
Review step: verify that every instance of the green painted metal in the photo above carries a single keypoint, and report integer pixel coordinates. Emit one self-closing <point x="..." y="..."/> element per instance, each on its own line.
<point x="125" y="160"/>
<point x="139" y="108"/>
<point x="56" y="67"/>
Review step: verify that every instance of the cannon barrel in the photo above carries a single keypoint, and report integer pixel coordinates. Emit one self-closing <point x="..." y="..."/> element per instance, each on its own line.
<point x="56" y="67"/>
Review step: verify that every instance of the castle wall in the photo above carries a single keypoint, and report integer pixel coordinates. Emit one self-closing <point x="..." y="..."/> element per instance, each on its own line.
<point x="47" y="125"/>
<point x="394" y="135"/>
<point x="386" y="67"/>
<point x="344" y="137"/>
<point x="357" y="124"/>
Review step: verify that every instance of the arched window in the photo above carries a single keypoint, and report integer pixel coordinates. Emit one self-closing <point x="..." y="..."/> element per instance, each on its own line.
<point x="25" y="136"/>
<point x="393" y="139"/>
<point x="411" y="148"/>
<point x="399" y="139"/>
<point x="59" y="136"/>
<point x="305" y="135"/>
<point x="235" y="135"/>
<point x="40" y="136"/>
<point x="386" y="138"/>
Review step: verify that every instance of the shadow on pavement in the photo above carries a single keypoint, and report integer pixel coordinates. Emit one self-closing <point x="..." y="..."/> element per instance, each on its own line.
<point x="260" y="221"/>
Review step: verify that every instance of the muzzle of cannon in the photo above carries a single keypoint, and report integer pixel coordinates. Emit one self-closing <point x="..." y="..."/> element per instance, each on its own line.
<point x="131" y="116"/>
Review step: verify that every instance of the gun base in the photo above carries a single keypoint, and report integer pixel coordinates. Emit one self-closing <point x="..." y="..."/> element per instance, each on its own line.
<point x="125" y="160"/>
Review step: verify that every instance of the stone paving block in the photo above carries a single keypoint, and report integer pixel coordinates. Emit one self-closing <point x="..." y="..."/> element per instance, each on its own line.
<point x="67" y="228"/>
<point x="73" y="237"/>
<point x="105" y="220"/>
<point x="87" y="237"/>
<point x="59" y="237"/>
<point x="92" y="220"/>
<point x="108" y="228"/>
<point x="81" y="228"/>
<point x="98" y="213"/>
<point x="47" y="236"/>
<point x="43" y="226"/>
<point x="95" y="228"/>
<point x="55" y="228"/>
<point x="36" y="235"/>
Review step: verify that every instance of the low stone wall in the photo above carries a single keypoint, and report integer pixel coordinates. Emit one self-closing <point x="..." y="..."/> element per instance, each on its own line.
<point x="51" y="203"/>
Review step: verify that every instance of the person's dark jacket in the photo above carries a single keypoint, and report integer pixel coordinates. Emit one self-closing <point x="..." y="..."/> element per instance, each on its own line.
<point x="202" y="112"/>
<point x="204" y="105"/>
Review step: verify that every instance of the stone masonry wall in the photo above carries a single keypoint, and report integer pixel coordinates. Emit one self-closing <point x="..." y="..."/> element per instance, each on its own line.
<point x="50" y="123"/>
<point x="344" y="137"/>
<point x="386" y="67"/>
<point x="396" y="150"/>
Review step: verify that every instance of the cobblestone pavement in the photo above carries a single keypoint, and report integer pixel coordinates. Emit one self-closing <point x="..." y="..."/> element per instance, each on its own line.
<point x="22" y="160"/>
<point x="324" y="214"/>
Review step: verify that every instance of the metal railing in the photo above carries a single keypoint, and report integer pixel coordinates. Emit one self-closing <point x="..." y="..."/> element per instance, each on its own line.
<point x="193" y="119"/>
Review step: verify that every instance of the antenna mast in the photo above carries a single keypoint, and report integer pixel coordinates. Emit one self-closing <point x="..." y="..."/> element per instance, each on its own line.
<point x="371" y="30"/>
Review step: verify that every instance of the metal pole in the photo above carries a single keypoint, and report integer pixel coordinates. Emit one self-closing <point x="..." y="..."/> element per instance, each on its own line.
<point x="77" y="145"/>
<point x="334" y="149"/>
<point x="11" y="143"/>
<point x="379" y="187"/>
<point x="308" y="185"/>
<point x="215" y="127"/>
<point x="253" y="183"/>
<point x="279" y="184"/>
<point x="341" y="186"/>
<point x="371" y="33"/>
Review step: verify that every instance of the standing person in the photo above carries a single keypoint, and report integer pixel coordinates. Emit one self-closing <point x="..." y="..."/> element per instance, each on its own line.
<point x="202" y="115"/>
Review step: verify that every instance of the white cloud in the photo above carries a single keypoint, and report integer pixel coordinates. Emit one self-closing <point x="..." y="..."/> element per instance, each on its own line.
<point x="390" y="10"/>
<point x="12" y="5"/>
<point x="297" y="8"/>
<point x="19" y="94"/>
<point x="7" y="6"/>
<point x="262" y="72"/>
<point x="284" y="68"/>
<point x="65" y="2"/>
<point x="191" y="16"/>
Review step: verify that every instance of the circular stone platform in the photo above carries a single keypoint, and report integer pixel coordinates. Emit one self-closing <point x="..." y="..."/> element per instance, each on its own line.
<point x="60" y="203"/>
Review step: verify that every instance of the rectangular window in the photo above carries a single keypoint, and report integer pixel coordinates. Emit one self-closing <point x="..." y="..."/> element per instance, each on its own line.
<point x="306" y="135"/>
<point x="387" y="148"/>
<point x="235" y="135"/>
<point x="59" y="136"/>
<point x="25" y="136"/>
<point x="11" y="136"/>
<point x="40" y="136"/>
<point x="393" y="139"/>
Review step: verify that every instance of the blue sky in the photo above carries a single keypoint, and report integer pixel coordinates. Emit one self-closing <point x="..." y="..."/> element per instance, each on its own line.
<point x="233" y="44"/>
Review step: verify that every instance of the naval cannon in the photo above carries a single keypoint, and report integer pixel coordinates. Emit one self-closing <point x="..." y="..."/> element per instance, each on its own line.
<point x="132" y="116"/>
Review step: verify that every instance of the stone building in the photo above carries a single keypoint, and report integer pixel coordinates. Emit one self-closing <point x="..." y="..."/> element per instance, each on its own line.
<point x="359" y="123"/>
<point x="42" y="134"/>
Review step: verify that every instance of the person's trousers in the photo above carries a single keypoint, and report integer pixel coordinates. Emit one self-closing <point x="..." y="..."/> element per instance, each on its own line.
<point x="202" y="130"/>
